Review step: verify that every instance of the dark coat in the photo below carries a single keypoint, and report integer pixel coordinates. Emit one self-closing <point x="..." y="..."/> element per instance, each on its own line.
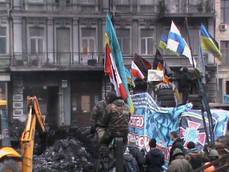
<point x="137" y="154"/>
<point x="154" y="160"/>
<point x="176" y="144"/>
<point x="195" y="158"/>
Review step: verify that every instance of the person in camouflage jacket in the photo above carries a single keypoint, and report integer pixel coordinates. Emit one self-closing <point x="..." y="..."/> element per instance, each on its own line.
<point x="110" y="118"/>
<point x="117" y="118"/>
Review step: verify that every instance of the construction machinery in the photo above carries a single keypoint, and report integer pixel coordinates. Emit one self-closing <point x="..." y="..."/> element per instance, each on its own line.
<point x="10" y="159"/>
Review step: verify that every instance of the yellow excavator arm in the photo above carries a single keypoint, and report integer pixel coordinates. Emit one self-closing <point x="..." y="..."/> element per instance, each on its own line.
<point x="27" y="138"/>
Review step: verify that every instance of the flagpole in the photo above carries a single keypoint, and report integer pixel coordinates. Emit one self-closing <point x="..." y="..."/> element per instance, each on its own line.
<point x="204" y="100"/>
<point x="189" y="41"/>
<point x="202" y="108"/>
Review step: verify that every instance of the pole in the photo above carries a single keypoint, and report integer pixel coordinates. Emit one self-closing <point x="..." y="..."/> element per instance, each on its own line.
<point x="204" y="100"/>
<point x="202" y="108"/>
<point x="189" y="40"/>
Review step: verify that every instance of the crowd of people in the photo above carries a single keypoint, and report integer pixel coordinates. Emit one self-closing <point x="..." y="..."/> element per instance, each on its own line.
<point x="181" y="159"/>
<point x="110" y="119"/>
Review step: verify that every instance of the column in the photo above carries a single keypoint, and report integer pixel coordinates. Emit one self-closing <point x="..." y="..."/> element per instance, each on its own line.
<point x="135" y="36"/>
<point x="67" y="104"/>
<point x="24" y="39"/>
<point x="50" y="40"/>
<point x="100" y="40"/>
<point x="17" y="37"/>
<point x="75" y="37"/>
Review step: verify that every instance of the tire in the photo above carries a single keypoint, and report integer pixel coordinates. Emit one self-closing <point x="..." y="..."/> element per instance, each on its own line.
<point x="168" y="103"/>
<point x="9" y="165"/>
<point x="164" y="92"/>
<point x="165" y="98"/>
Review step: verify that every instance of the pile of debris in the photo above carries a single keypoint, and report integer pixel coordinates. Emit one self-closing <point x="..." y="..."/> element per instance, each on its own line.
<point x="68" y="150"/>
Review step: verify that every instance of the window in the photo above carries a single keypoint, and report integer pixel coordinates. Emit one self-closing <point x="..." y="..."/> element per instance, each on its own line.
<point x="227" y="87"/>
<point x="36" y="35"/>
<point x="147" y="42"/>
<point x="36" y="1"/>
<point x="63" y="3"/>
<point x="63" y="44"/>
<point x="224" y="46"/>
<point x="225" y="11"/>
<point x="194" y="40"/>
<point x="124" y="40"/>
<point x="122" y="2"/>
<point x="3" y="90"/>
<point x="88" y="39"/>
<point x="3" y="41"/>
<point x="88" y="46"/>
<point x="87" y="1"/>
<point x="85" y="103"/>
<point x="146" y="2"/>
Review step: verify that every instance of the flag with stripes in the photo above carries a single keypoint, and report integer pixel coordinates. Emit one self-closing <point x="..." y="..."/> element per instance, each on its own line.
<point x="113" y="51"/>
<point x="209" y="44"/>
<point x="178" y="44"/>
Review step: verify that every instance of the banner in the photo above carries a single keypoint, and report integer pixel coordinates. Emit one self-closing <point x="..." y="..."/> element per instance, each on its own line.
<point x="192" y="127"/>
<point x="151" y="121"/>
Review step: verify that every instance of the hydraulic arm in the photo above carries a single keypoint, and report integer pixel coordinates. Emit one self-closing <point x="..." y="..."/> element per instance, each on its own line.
<point x="27" y="138"/>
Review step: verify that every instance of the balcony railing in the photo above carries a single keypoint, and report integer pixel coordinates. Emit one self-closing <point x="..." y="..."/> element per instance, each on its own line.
<point x="225" y="52"/>
<point x="55" y="59"/>
<point x="4" y="62"/>
<point x="177" y="7"/>
<point x="62" y="6"/>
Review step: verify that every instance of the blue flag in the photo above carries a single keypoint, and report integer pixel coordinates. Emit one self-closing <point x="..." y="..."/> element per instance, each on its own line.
<point x="117" y="55"/>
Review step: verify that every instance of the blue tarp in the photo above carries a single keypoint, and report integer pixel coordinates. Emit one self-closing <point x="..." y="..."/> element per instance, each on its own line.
<point x="152" y="121"/>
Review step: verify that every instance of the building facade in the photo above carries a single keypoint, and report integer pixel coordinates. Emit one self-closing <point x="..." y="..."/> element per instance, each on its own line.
<point x="54" y="49"/>
<point x="222" y="36"/>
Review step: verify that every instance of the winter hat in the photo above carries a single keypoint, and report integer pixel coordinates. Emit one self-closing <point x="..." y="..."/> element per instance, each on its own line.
<point x="213" y="153"/>
<point x="178" y="151"/>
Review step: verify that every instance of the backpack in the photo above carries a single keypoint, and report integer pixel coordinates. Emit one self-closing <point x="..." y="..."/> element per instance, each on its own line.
<point x="130" y="164"/>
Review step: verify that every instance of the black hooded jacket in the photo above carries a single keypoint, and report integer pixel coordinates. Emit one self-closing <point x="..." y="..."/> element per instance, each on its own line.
<point x="178" y="143"/>
<point x="154" y="160"/>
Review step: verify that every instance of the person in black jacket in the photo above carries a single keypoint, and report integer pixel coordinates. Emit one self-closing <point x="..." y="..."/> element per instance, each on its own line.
<point x="154" y="158"/>
<point x="177" y="143"/>
<point x="194" y="156"/>
<point x="137" y="154"/>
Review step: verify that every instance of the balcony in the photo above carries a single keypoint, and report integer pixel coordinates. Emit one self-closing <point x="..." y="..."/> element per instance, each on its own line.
<point x="4" y="63"/>
<point x="59" y="7"/>
<point x="225" y="60"/>
<point x="148" y="7"/>
<point x="189" y="8"/>
<point x="57" y="61"/>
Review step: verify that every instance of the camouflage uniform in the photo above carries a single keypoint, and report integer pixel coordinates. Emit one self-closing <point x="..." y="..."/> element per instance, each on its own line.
<point x="117" y="119"/>
<point x="112" y="123"/>
<point x="111" y="120"/>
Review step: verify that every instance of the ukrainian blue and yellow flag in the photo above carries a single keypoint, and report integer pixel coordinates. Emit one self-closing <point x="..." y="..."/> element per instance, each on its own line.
<point x="118" y="58"/>
<point x="163" y="42"/>
<point x="208" y="43"/>
<point x="130" y="79"/>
